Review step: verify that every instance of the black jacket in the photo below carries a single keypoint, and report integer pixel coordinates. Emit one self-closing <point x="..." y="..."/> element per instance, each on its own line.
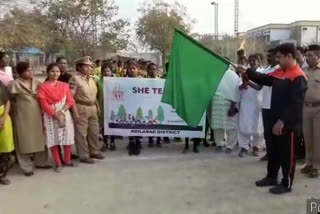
<point x="287" y="100"/>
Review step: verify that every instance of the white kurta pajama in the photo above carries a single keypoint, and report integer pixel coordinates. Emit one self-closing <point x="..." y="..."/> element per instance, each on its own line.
<point x="250" y="118"/>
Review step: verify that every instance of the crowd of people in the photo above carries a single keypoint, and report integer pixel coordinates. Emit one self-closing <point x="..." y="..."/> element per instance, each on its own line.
<point x="277" y="104"/>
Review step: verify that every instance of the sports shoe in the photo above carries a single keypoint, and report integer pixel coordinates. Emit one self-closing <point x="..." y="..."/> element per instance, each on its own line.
<point x="280" y="189"/>
<point x="266" y="182"/>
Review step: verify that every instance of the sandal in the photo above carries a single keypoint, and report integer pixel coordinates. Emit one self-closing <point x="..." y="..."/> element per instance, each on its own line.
<point x="58" y="169"/>
<point x="5" y="181"/>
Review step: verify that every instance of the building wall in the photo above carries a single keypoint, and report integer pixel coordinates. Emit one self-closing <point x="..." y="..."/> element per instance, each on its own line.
<point x="280" y="34"/>
<point x="309" y="35"/>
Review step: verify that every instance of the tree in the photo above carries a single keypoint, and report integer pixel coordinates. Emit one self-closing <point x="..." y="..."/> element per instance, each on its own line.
<point x="122" y="114"/>
<point x="160" y="116"/>
<point x="88" y="23"/>
<point x="9" y="4"/>
<point x="156" y="25"/>
<point x="139" y="115"/>
<point x="113" y="116"/>
<point x="20" y="29"/>
<point x="150" y="115"/>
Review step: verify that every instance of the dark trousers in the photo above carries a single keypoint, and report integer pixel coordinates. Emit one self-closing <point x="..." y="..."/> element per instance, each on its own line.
<point x="268" y="126"/>
<point x="134" y="142"/>
<point x="301" y="148"/>
<point x="281" y="151"/>
<point x="105" y="138"/>
<point x="158" y="139"/>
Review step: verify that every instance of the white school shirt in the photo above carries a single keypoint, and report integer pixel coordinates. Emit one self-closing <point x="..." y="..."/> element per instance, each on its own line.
<point x="266" y="90"/>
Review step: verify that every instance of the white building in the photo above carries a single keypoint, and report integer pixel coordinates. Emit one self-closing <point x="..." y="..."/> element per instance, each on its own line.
<point x="301" y="33"/>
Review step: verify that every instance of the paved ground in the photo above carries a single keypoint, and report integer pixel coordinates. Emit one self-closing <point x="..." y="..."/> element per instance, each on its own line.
<point x="160" y="181"/>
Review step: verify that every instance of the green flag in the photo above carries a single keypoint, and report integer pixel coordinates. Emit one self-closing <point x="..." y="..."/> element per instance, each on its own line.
<point x="193" y="78"/>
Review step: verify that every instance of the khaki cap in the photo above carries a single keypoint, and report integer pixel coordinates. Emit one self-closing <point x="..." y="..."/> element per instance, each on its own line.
<point x="87" y="60"/>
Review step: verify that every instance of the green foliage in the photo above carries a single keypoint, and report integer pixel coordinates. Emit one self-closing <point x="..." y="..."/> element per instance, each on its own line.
<point x="20" y="29"/>
<point x="74" y="28"/>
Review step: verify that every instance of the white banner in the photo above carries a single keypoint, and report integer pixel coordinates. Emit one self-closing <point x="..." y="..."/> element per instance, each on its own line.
<point x="133" y="107"/>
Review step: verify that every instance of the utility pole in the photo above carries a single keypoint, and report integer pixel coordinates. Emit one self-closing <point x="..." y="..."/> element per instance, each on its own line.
<point x="216" y="21"/>
<point x="236" y="18"/>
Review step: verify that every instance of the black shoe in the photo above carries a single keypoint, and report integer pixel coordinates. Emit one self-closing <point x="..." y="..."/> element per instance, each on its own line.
<point x="280" y="189"/>
<point x="266" y="182"/>
<point x="137" y="150"/>
<point x="264" y="158"/>
<point x="218" y="149"/>
<point x="113" y="147"/>
<point x="214" y="144"/>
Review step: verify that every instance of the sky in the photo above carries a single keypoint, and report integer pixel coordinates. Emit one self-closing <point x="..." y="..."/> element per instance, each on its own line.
<point x="253" y="13"/>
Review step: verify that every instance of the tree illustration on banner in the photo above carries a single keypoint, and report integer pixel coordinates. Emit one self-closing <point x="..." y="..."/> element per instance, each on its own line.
<point x="139" y="115"/>
<point x="150" y="115"/>
<point x="122" y="114"/>
<point x="113" y="116"/>
<point x="160" y="116"/>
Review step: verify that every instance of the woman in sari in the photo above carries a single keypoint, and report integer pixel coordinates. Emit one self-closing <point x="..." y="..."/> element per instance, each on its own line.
<point x="27" y="121"/>
<point x="6" y="136"/>
<point x="55" y="100"/>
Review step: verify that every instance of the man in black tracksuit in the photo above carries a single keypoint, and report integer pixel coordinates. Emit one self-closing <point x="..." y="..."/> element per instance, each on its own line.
<point x="289" y="84"/>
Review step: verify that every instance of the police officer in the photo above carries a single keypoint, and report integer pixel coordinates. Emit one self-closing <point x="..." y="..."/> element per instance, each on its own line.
<point x="85" y="91"/>
<point x="311" y="113"/>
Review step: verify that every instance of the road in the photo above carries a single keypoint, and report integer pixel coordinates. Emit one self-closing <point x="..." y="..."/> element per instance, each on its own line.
<point x="160" y="181"/>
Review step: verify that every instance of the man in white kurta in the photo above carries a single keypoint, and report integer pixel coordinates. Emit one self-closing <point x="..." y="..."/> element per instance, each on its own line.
<point x="250" y="129"/>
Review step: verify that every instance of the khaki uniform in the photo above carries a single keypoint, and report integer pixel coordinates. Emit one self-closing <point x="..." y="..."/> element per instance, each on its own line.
<point x="311" y="118"/>
<point x="87" y="128"/>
